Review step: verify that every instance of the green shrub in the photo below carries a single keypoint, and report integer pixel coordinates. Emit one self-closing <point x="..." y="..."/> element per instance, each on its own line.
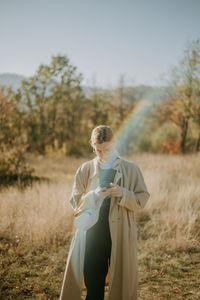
<point x="14" y="169"/>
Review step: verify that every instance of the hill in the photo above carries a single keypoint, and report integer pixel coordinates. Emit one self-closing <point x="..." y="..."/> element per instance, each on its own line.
<point x="11" y="79"/>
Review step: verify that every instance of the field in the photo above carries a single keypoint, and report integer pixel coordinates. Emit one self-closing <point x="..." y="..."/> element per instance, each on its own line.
<point x="35" y="229"/>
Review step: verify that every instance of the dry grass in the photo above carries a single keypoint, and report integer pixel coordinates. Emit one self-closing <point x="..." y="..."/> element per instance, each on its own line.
<point x="39" y="214"/>
<point x="168" y="227"/>
<point x="171" y="217"/>
<point x="173" y="210"/>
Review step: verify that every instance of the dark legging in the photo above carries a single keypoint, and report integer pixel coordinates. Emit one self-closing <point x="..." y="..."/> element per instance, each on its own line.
<point x="97" y="255"/>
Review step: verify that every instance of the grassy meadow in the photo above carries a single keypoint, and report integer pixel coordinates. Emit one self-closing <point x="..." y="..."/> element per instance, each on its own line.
<point x="36" y="223"/>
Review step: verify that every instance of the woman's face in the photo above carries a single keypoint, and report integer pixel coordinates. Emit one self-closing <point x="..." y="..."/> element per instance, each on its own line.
<point x="103" y="150"/>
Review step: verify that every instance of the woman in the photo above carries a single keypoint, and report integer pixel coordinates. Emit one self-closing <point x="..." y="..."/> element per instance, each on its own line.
<point x="108" y="189"/>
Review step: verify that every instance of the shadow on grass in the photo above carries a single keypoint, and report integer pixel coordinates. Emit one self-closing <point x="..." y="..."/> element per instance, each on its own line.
<point x="21" y="182"/>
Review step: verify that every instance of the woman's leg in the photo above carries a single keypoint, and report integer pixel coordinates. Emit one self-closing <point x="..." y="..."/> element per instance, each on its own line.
<point x="97" y="257"/>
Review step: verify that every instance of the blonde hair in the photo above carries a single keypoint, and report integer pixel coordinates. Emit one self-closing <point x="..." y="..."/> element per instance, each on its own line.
<point x="101" y="134"/>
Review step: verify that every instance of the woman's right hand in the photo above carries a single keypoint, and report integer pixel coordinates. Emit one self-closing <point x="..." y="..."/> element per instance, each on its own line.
<point x="102" y="192"/>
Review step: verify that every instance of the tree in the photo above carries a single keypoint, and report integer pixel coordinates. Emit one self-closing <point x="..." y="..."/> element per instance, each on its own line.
<point x="124" y="97"/>
<point x="53" y="100"/>
<point x="196" y="118"/>
<point x="13" y="166"/>
<point x="180" y="107"/>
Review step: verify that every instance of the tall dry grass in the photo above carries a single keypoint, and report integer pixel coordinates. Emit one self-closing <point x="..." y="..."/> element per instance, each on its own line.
<point x="173" y="210"/>
<point x="38" y="215"/>
<point x="170" y="219"/>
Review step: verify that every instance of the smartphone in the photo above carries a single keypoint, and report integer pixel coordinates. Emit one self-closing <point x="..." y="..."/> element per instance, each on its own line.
<point x="108" y="178"/>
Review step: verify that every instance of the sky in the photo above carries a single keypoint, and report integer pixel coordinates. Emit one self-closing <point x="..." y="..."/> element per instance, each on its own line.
<point x="104" y="39"/>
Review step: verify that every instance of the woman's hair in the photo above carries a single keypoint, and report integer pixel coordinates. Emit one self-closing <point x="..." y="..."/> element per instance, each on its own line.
<point x="101" y="134"/>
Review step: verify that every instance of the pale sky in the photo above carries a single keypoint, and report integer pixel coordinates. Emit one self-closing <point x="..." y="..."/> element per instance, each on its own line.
<point x="141" y="39"/>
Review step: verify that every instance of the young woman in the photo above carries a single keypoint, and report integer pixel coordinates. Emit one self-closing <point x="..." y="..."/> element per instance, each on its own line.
<point x="106" y="193"/>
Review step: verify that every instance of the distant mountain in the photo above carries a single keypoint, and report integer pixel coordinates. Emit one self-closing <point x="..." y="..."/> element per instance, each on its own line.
<point x="88" y="90"/>
<point x="137" y="92"/>
<point x="14" y="80"/>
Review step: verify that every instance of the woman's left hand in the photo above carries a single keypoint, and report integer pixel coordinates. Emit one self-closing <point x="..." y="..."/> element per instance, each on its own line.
<point x="115" y="190"/>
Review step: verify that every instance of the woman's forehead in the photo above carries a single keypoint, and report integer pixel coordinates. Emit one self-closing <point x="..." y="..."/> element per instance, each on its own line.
<point x="103" y="146"/>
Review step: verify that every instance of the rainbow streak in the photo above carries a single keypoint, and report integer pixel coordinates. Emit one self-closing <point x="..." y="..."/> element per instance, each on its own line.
<point x="137" y="115"/>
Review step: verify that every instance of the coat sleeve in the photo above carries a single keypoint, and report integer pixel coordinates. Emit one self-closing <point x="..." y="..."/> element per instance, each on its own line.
<point x="78" y="196"/>
<point x="136" y="198"/>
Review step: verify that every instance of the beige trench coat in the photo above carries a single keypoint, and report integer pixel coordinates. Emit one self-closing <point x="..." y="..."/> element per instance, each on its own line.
<point x="122" y="284"/>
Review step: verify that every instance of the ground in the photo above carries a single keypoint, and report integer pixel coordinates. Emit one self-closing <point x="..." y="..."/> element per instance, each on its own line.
<point x="32" y="264"/>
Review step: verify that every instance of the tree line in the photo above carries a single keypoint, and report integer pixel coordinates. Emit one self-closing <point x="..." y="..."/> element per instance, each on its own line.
<point x="50" y="112"/>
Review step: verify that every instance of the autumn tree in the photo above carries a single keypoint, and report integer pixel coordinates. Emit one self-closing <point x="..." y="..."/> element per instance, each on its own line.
<point x="53" y="101"/>
<point x="13" y="166"/>
<point x="196" y="119"/>
<point x="181" y="104"/>
<point x="124" y="98"/>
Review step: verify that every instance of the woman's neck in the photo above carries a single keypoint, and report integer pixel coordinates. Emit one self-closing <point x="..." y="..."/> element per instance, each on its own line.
<point x="109" y="160"/>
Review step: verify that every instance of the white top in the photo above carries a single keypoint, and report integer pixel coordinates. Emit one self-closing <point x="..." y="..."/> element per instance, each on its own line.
<point x="108" y="163"/>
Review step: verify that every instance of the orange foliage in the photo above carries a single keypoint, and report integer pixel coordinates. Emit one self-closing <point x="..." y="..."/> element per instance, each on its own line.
<point x="5" y="105"/>
<point x="171" y="145"/>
